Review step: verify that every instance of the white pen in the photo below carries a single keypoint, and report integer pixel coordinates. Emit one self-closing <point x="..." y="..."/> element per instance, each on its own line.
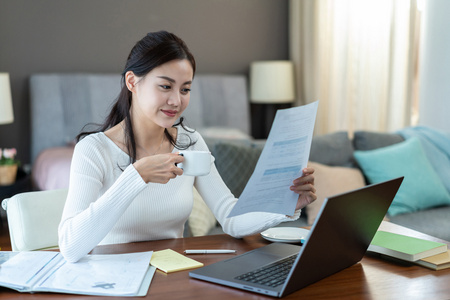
<point x="209" y="251"/>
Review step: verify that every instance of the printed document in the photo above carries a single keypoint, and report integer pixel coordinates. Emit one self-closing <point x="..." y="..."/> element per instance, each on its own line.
<point x="282" y="160"/>
<point x="125" y="275"/>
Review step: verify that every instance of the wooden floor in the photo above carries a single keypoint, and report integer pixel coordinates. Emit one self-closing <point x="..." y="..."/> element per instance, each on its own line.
<point x="5" y="243"/>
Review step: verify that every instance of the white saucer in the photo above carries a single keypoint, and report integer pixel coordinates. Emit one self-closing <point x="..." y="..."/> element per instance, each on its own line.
<point x="286" y="234"/>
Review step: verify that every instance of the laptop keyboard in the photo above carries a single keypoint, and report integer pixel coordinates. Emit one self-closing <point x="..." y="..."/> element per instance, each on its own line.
<point x="271" y="275"/>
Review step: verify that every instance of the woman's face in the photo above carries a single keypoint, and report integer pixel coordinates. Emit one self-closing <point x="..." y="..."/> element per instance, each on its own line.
<point x="163" y="94"/>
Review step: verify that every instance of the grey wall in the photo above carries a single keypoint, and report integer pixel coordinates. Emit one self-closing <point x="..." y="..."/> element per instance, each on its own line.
<point x="96" y="36"/>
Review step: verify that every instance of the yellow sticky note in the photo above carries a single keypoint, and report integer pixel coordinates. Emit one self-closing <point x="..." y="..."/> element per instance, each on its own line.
<point x="171" y="261"/>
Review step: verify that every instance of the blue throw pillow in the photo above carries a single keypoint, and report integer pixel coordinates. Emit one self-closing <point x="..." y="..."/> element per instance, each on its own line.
<point x="421" y="188"/>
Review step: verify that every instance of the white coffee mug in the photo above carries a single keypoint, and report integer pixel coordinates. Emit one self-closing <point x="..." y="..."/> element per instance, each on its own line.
<point x="196" y="163"/>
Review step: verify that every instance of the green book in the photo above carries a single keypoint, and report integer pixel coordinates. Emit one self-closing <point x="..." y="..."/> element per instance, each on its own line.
<point x="404" y="247"/>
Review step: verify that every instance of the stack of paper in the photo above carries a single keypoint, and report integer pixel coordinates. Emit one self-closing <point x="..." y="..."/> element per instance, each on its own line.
<point x="108" y="275"/>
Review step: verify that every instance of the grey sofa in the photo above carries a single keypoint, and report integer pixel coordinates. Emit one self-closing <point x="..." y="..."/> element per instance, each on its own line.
<point x="333" y="154"/>
<point x="62" y="103"/>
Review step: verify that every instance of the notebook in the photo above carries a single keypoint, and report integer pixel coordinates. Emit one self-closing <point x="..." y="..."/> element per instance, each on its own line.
<point x="338" y="239"/>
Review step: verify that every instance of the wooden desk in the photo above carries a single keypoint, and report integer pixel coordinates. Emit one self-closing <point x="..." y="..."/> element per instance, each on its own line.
<point x="372" y="278"/>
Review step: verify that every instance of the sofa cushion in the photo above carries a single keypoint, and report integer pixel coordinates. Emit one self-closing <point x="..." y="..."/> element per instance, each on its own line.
<point x="432" y="221"/>
<point x="333" y="149"/>
<point x="368" y="140"/>
<point x="436" y="144"/>
<point x="235" y="164"/>
<point x="330" y="181"/>
<point x="422" y="188"/>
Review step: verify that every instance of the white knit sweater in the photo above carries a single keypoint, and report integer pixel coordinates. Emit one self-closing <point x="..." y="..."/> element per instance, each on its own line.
<point x="108" y="201"/>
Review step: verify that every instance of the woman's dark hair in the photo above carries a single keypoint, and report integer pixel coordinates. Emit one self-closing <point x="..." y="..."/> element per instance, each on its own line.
<point x="155" y="49"/>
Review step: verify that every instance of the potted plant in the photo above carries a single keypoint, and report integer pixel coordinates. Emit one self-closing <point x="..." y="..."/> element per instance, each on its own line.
<point x="8" y="166"/>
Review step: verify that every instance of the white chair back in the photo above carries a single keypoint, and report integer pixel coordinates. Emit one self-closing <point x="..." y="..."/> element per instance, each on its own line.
<point x="33" y="219"/>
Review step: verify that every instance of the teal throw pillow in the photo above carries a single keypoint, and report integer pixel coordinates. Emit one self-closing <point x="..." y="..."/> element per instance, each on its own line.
<point x="421" y="188"/>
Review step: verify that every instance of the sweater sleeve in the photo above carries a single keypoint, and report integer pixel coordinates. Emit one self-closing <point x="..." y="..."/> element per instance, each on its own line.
<point x="87" y="217"/>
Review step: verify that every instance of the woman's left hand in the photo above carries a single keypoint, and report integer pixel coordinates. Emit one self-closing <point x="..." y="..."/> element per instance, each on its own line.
<point x="304" y="187"/>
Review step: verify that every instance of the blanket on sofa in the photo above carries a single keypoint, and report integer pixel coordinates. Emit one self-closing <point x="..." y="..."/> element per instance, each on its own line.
<point x="436" y="144"/>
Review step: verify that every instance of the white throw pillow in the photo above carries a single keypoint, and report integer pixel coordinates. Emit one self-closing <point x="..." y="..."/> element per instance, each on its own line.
<point x="201" y="220"/>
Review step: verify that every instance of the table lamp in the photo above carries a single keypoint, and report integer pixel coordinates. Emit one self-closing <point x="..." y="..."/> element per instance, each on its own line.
<point x="271" y="87"/>
<point x="6" y="110"/>
<point x="7" y="172"/>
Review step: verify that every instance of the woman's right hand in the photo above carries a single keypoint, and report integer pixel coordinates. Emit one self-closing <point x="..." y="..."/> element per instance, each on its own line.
<point x="159" y="168"/>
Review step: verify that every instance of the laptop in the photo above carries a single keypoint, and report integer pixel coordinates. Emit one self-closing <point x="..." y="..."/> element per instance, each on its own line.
<point x="339" y="238"/>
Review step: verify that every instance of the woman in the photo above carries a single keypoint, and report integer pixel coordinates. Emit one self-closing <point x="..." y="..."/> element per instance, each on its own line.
<point x="124" y="182"/>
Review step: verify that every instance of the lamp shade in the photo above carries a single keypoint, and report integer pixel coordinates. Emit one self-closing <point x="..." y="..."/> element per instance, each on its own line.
<point x="272" y="82"/>
<point x="6" y="110"/>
